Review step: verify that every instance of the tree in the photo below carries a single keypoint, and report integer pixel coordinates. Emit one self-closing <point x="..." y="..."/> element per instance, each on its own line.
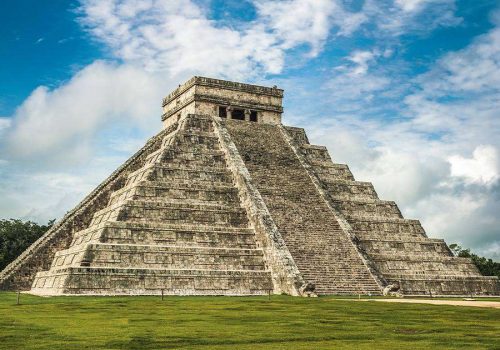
<point x="487" y="267"/>
<point x="16" y="236"/>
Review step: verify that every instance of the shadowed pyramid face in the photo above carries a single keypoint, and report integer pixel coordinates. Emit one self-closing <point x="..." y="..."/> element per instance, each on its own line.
<point x="225" y="99"/>
<point x="228" y="201"/>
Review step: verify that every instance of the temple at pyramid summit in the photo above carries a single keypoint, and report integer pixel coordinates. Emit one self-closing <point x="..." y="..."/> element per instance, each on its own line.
<point x="226" y="200"/>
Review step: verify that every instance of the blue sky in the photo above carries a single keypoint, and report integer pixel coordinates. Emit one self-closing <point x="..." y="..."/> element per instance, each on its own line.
<point x="407" y="92"/>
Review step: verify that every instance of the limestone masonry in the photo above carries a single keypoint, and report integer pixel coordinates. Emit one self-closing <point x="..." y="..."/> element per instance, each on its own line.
<point x="225" y="200"/>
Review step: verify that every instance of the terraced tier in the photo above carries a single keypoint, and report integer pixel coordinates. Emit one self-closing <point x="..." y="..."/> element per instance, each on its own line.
<point x="130" y="281"/>
<point x="177" y="226"/>
<point x="398" y="248"/>
<point x="121" y="232"/>
<point x="159" y="256"/>
<point x="444" y="285"/>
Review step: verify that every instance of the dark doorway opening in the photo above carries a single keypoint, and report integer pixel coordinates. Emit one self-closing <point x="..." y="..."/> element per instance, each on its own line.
<point x="222" y="112"/>
<point x="238" y="114"/>
<point x="253" y="116"/>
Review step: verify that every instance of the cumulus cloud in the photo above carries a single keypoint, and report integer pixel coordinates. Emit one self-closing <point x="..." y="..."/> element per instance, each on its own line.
<point x="296" y="22"/>
<point x="483" y="168"/>
<point x="361" y="59"/>
<point x="99" y="94"/>
<point x="177" y="37"/>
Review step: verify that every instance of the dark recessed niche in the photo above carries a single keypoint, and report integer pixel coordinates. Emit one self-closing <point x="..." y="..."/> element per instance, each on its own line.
<point x="222" y="112"/>
<point x="238" y="114"/>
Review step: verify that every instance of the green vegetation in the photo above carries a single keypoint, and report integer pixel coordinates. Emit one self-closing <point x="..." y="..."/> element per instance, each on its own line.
<point x="240" y="323"/>
<point x="487" y="267"/>
<point x="16" y="236"/>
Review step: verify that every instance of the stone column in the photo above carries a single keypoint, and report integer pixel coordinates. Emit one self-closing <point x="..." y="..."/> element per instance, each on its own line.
<point x="247" y="115"/>
<point x="229" y="110"/>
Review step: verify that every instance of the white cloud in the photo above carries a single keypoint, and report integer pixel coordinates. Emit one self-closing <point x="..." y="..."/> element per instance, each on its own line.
<point x="4" y="123"/>
<point x="411" y="5"/>
<point x="361" y="59"/>
<point x="177" y="37"/>
<point x="353" y="86"/>
<point x="460" y="96"/>
<point x="474" y="69"/>
<point x="296" y="22"/>
<point x="439" y="156"/>
<point x="483" y="168"/>
<point x="97" y="96"/>
<point x="397" y="17"/>
<point x="454" y="217"/>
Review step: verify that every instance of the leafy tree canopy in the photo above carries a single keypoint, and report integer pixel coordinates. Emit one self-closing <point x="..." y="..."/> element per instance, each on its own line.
<point x="487" y="267"/>
<point x="16" y="236"/>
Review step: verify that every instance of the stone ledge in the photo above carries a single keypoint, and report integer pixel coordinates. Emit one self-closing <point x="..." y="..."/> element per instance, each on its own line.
<point x="224" y="84"/>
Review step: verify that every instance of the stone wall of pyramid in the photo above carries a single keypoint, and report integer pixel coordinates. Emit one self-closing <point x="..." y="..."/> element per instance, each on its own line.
<point x="397" y="249"/>
<point x="20" y="273"/>
<point x="213" y="206"/>
<point x="176" y="226"/>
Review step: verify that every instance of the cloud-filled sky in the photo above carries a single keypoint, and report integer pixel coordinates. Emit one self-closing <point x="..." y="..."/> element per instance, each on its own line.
<point x="407" y="92"/>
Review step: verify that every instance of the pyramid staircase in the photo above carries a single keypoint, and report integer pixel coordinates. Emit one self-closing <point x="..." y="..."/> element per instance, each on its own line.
<point x="324" y="254"/>
<point x="176" y="227"/>
<point x="399" y="248"/>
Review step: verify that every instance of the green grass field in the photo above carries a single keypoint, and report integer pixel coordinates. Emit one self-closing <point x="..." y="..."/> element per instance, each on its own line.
<point x="240" y="323"/>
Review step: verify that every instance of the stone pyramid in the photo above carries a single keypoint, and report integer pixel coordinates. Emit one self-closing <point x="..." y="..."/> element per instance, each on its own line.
<point x="225" y="200"/>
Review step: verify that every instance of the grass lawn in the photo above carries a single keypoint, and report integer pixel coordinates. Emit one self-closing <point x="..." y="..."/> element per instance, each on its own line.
<point x="240" y="323"/>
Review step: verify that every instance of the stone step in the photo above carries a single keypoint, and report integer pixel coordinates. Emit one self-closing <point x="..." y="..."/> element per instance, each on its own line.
<point x="173" y="211"/>
<point x="199" y="123"/>
<point x="353" y="209"/>
<point x="332" y="171"/>
<point x="422" y="247"/>
<point x="169" y="172"/>
<point x="420" y="266"/>
<point x="198" y="135"/>
<point x="340" y="189"/>
<point x="188" y="203"/>
<point x="347" y="290"/>
<point x="437" y="285"/>
<point x="386" y="225"/>
<point x="315" y="153"/>
<point x="178" y="189"/>
<point x="195" y="140"/>
<point x="193" y="154"/>
<point x="411" y="257"/>
<point x="113" y="210"/>
<point x="119" y="281"/>
<point x="122" y="232"/>
<point x="386" y="237"/>
<point x="159" y="256"/>
<point x="212" y="163"/>
<point x="298" y="135"/>
<point x="185" y="152"/>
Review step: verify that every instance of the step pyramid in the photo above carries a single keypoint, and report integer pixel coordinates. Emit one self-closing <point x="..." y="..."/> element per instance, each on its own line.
<point x="177" y="226"/>
<point x="225" y="200"/>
